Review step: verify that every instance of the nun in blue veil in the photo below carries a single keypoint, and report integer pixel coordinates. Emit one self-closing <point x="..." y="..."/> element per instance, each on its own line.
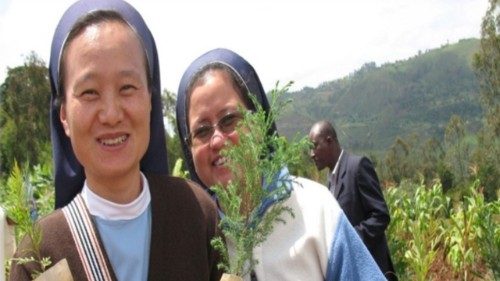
<point x="318" y="243"/>
<point x="68" y="172"/>
<point x="119" y="216"/>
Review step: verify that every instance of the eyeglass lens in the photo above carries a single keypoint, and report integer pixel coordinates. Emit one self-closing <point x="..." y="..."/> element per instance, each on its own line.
<point x="227" y="124"/>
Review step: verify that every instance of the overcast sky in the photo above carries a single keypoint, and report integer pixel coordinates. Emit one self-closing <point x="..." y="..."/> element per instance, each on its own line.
<point x="308" y="41"/>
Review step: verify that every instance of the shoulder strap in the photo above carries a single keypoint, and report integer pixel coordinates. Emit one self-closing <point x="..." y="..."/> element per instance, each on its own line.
<point x="86" y="241"/>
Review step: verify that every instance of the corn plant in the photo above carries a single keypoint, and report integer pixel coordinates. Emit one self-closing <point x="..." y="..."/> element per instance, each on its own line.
<point x="425" y="236"/>
<point x="426" y="231"/>
<point x="488" y="235"/>
<point x="461" y="239"/>
<point x="397" y="231"/>
<point x="473" y="234"/>
<point x="416" y="229"/>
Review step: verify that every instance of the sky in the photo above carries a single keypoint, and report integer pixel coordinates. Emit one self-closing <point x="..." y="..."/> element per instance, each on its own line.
<point x="307" y="41"/>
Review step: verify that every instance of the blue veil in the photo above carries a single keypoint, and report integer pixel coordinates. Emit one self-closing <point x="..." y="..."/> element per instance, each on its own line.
<point x="241" y="67"/>
<point x="68" y="172"/>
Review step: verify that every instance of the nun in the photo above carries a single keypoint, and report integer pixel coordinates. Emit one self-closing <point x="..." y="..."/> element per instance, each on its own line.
<point x="120" y="216"/>
<point x="318" y="243"/>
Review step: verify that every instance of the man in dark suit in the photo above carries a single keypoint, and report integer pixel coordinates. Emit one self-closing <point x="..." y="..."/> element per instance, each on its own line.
<point x="354" y="183"/>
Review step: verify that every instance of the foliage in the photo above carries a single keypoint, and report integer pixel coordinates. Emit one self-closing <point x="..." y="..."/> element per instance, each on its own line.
<point x="446" y="177"/>
<point x="174" y="152"/>
<point x="174" y="149"/>
<point x="25" y="97"/>
<point x="40" y="181"/>
<point x="486" y="156"/>
<point x="487" y="66"/>
<point x="178" y="170"/>
<point x="457" y="149"/>
<point x="416" y="159"/>
<point x="402" y="108"/>
<point x="431" y="157"/>
<point x="396" y="161"/>
<point x="168" y="100"/>
<point x="256" y="163"/>
<point x="424" y="228"/>
<point x="304" y="167"/>
<point x="20" y="206"/>
<point x="375" y="104"/>
<point x="462" y="235"/>
<point x="488" y="234"/>
<point x="428" y="231"/>
<point x="462" y="158"/>
<point x="397" y="229"/>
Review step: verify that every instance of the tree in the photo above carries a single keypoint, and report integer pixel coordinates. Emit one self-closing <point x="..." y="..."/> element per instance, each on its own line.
<point x="169" y="100"/>
<point x="431" y="158"/>
<point x="487" y="66"/>
<point x="24" y="114"/>
<point x="457" y="149"/>
<point x="174" y="149"/>
<point x="396" y="161"/>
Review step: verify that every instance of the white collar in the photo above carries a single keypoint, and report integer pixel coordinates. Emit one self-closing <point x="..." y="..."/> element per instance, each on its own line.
<point x="108" y="210"/>
<point x="335" y="169"/>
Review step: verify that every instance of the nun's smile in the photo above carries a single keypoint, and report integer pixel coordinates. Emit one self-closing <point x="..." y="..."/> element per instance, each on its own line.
<point x="211" y="102"/>
<point x="106" y="112"/>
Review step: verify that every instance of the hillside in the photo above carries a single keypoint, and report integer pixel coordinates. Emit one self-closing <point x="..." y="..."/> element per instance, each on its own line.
<point x="373" y="105"/>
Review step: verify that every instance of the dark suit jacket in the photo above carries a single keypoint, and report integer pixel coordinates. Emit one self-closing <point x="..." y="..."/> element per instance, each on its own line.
<point x="358" y="193"/>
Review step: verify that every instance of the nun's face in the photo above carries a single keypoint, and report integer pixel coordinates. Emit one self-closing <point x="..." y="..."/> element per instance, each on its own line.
<point x="214" y="102"/>
<point x="106" y="112"/>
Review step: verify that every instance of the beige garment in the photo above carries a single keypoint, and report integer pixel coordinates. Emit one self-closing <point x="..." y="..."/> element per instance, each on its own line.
<point x="7" y="240"/>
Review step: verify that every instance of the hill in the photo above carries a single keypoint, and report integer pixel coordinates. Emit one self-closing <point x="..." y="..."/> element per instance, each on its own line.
<point x="375" y="104"/>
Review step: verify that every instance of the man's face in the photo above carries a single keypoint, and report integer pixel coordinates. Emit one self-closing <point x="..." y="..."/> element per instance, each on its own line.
<point x="322" y="151"/>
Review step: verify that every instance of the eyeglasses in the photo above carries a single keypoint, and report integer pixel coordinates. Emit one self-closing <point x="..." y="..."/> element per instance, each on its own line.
<point x="203" y="134"/>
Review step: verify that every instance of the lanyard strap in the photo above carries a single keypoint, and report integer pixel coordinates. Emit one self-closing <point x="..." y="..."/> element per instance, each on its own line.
<point x="86" y="241"/>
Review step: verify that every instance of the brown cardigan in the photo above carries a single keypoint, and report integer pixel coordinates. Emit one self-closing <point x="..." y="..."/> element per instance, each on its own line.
<point x="184" y="220"/>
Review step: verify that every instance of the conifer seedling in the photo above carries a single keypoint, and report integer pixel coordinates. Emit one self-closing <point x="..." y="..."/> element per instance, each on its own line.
<point x="257" y="163"/>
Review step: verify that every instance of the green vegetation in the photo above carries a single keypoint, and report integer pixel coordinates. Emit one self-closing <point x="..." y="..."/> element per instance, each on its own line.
<point x="174" y="149"/>
<point x="432" y="237"/>
<point x="20" y="205"/>
<point x="431" y="125"/>
<point x="252" y="163"/>
<point x="24" y="113"/>
<point x="375" y="104"/>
